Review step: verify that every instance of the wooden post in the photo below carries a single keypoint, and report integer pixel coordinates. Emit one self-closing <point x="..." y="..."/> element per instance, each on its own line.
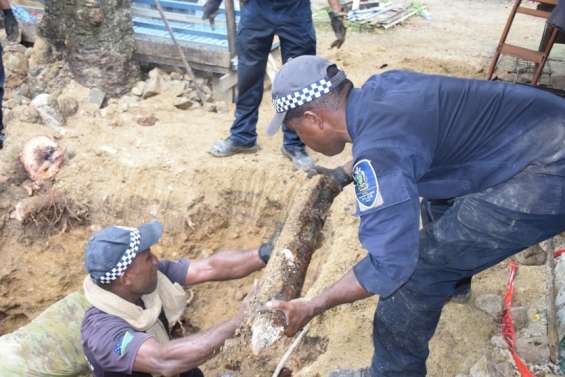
<point x="231" y="26"/>
<point x="553" y="337"/>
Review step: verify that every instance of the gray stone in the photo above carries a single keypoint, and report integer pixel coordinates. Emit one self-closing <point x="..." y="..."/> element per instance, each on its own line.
<point x="490" y="304"/>
<point x="138" y="89"/>
<point x="173" y="88"/>
<point x="498" y="341"/>
<point x="183" y="103"/>
<point x="534" y="350"/>
<point x="519" y="317"/>
<point x="153" y="87"/>
<point x="176" y="76"/>
<point x="16" y="62"/>
<point x="157" y="73"/>
<point x="24" y="113"/>
<point x="96" y="97"/>
<point x="532" y="256"/>
<point x="365" y="372"/>
<point x="211" y="107"/>
<point x="68" y="106"/>
<point x="488" y="367"/>
<point x="48" y="114"/>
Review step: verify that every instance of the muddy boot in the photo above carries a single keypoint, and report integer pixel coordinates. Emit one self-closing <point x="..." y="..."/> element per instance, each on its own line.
<point x="227" y="147"/>
<point x="365" y="372"/>
<point x="299" y="158"/>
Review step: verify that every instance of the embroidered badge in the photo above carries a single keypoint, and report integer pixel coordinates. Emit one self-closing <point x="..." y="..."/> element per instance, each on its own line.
<point x="366" y="186"/>
<point x="122" y="343"/>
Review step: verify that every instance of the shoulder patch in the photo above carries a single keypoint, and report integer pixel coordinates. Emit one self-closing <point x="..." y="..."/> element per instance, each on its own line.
<point x="122" y="343"/>
<point x="367" y="190"/>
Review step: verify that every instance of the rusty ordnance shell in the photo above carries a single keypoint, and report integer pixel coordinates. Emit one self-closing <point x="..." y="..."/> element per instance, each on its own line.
<point x="284" y="275"/>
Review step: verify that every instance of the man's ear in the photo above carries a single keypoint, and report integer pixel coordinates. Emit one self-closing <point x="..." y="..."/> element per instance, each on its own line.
<point x="313" y="119"/>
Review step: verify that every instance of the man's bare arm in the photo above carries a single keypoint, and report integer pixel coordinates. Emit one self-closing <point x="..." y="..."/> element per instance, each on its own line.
<point x="335" y="5"/>
<point x="224" y="265"/>
<point x="184" y="354"/>
<point x="300" y="311"/>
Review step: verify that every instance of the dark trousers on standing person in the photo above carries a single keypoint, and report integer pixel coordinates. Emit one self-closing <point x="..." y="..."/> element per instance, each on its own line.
<point x="260" y="21"/>
<point x="476" y="232"/>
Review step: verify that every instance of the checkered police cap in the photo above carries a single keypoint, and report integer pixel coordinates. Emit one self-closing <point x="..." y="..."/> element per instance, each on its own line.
<point x="126" y="259"/>
<point x="299" y="82"/>
<point x="111" y="251"/>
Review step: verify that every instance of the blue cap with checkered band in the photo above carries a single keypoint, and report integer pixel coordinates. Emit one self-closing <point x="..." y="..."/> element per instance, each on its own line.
<point x="299" y="81"/>
<point x="110" y="251"/>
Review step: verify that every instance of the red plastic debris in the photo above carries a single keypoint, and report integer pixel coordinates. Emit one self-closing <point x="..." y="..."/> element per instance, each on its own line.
<point x="508" y="325"/>
<point x="557" y="253"/>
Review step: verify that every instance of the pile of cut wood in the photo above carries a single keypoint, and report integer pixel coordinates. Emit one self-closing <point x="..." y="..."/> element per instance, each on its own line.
<point x="378" y="14"/>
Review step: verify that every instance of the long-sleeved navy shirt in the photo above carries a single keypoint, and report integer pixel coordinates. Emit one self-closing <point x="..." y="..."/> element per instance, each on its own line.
<point x="417" y="135"/>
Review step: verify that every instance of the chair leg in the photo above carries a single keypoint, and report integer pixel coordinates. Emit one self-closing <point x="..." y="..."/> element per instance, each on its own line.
<point x="538" y="72"/>
<point x="503" y="37"/>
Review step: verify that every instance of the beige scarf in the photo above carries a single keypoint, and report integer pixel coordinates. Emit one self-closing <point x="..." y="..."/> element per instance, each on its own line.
<point x="168" y="296"/>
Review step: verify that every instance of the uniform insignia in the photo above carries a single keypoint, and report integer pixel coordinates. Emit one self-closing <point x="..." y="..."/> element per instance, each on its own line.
<point x="367" y="188"/>
<point x="122" y="343"/>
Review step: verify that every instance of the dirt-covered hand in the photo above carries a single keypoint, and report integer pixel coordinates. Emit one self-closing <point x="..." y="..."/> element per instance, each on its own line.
<point x="210" y="10"/>
<point x="338" y="27"/>
<point x="10" y="25"/>
<point x="297" y="313"/>
<point x="338" y="174"/>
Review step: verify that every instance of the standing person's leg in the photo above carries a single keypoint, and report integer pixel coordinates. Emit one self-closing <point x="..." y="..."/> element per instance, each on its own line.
<point x="479" y="231"/>
<point x="298" y="37"/>
<point x="254" y="39"/>
<point x="432" y="210"/>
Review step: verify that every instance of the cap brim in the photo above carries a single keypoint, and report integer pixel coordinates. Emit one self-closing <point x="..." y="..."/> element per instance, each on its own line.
<point x="150" y="232"/>
<point x="276" y="123"/>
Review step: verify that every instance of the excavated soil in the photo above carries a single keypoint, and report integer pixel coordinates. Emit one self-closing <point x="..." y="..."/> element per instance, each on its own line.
<point x="126" y="174"/>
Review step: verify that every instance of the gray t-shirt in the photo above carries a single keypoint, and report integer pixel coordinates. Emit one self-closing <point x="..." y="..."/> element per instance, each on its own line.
<point x="110" y="343"/>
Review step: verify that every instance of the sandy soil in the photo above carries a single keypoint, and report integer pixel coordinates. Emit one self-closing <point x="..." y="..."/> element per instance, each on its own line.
<point x="127" y="174"/>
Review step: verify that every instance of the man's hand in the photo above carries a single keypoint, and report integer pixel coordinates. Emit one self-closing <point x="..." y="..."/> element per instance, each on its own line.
<point x="338" y="28"/>
<point x="338" y="174"/>
<point x="297" y="312"/>
<point x="11" y="25"/>
<point x="210" y="10"/>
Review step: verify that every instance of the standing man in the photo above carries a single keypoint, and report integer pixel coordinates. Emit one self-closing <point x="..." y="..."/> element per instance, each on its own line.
<point x="496" y="149"/>
<point x="260" y="21"/>
<point x="137" y="301"/>
<point x="11" y="27"/>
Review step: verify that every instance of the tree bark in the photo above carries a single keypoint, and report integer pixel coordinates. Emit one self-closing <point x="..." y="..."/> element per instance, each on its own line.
<point x="97" y="41"/>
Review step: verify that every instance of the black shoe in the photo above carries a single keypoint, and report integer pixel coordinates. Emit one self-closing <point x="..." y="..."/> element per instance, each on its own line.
<point x="299" y="158"/>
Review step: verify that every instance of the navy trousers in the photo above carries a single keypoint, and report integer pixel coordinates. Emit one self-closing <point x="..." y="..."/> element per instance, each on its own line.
<point x="476" y="232"/>
<point x="260" y="20"/>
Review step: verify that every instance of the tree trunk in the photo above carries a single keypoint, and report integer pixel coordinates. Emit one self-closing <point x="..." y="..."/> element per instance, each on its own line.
<point x="97" y="41"/>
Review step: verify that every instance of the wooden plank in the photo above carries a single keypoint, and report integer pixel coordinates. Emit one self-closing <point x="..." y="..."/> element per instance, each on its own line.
<point x="552" y="335"/>
<point x="171" y="16"/>
<point x="533" y="12"/>
<point x="522" y="53"/>
<point x="161" y="49"/>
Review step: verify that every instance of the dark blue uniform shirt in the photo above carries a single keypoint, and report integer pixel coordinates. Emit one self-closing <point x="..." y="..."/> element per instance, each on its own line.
<point x="437" y="137"/>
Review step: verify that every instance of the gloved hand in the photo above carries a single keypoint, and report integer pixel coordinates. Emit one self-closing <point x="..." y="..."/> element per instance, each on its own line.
<point x="338" y="174"/>
<point x="338" y="28"/>
<point x="266" y="249"/>
<point x="11" y="25"/>
<point x="210" y="10"/>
